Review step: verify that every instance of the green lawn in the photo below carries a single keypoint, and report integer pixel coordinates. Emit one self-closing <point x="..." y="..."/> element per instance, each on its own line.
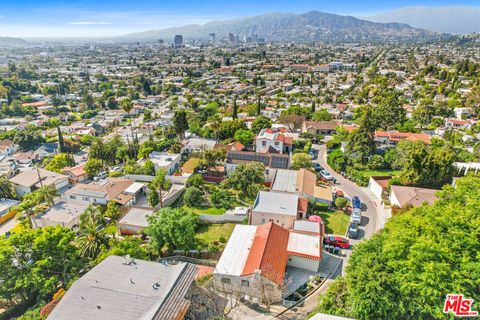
<point x="213" y="232"/>
<point x="380" y="173"/>
<point x="335" y="222"/>
<point x="207" y="210"/>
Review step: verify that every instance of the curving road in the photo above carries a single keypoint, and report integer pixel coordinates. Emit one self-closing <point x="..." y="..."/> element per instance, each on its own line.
<point x="371" y="209"/>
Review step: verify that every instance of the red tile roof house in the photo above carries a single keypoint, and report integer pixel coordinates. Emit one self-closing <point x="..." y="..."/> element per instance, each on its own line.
<point x="273" y="142"/>
<point x="76" y="174"/>
<point x="393" y="137"/>
<point x="262" y="263"/>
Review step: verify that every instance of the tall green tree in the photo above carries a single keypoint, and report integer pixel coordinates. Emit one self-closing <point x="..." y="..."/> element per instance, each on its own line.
<point x="36" y="262"/>
<point x="234" y="108"/>
<point x="180" y="123"/>
<point x="247" y="178"/>
<point x="61" y="143"/>
<point x="160" y="183"/>
<point x="259" y="106"/>
<point x="406" y="270"/>
<point x="173" y="228"/>
<point x="360" y="143"/>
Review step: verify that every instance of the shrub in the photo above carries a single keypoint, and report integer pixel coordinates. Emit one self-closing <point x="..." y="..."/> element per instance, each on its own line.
<point x="193" y="197"/>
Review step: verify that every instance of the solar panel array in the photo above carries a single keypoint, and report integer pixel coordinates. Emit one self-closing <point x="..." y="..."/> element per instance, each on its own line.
<point x="269" y="160"/>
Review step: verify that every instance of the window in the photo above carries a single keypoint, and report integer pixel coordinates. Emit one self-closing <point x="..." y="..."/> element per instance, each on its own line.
<point x="263" y="220"/>
<point x="245" y="283"/>
<point x="85" y="198"/>
<point x="264" y="143"/>
<point x="226" y="280"/>
<point x="276" y="143"/>
<point x="73" y="197"/>
<point x="94" y="200"/>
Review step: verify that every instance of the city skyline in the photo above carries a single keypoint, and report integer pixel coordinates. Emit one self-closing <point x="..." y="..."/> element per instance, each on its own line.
<point x="54" y="18"/>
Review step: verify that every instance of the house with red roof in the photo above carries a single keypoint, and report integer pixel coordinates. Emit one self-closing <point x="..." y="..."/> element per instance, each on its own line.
<point x="393" y="137"/>
<point x="270" y="141"/>
<point x="262" y="262"/>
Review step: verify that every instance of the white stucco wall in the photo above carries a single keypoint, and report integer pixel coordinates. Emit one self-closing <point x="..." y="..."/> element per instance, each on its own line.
<point x="375" y="188"/>
<point x="303" y="263"/>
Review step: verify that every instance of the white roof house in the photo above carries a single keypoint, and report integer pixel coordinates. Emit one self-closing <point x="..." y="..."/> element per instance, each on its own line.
<point x="127" y="289"/>
<point x="135" y="220"/>
<point x="276" y="203"/>
<point x="65" y="214"/>
<point x="285" y="181"/>
<point x="304" y="244"/>
<point x="165" y="160"/>
<point x="236" y="251"/>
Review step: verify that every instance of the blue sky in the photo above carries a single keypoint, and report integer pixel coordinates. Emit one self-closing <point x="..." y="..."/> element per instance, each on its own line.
<point x="89" y="18"/>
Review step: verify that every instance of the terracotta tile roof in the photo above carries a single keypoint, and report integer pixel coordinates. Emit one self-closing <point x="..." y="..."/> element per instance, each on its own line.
<point x="396" y="136"/>
<point x="76" y="171"/>
<point x="322" y="125"/>
<point x="302" y="204"/>
<point x="5" y="143"/>
<point x="268" y="253"/>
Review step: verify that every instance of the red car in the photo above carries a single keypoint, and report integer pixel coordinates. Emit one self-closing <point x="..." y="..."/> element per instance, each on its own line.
<point x="337" y="241"/>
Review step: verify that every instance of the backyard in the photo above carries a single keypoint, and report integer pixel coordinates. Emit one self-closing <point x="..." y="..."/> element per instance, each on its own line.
<point x="336" y="222"/>
<point x="214" y="232"/>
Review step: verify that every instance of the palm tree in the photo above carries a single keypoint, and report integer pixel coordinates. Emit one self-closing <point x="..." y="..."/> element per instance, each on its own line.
<point x="26" y="215"/>
<point x="127" y="106"/>
<point x="92" y="235"/>
<point x="47" y="194"/>
<point x="91" y="240"/>
<point x="215" y="124"/>
<point x="160" y="183"/>
<point x="6" y="188"/>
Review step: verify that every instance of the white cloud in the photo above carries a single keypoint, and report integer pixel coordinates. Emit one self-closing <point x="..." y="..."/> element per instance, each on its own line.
<point x="84" y="23"/>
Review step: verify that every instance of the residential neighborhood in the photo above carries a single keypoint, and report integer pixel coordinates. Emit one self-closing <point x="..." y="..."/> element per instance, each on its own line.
<point x="236" y="175"/>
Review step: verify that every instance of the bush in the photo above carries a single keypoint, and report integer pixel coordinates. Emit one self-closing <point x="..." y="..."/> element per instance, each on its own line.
<point x="337" y="160"/>
<point x="195" y="180"/>
<point x="193" y="197"/>
<point x="221" y="198"/>
<point x="341" y="202"/>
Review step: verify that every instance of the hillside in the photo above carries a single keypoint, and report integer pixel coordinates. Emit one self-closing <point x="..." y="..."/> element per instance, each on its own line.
<point x="455" y="19"/>
<point x="310" y="26"/>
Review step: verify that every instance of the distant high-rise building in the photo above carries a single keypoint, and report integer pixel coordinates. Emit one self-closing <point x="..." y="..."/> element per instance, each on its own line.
<point x="160" y="41"/>
<point x="178" y="40"/>
<point x="231" y="37"/>
<point x="212" y="36"/>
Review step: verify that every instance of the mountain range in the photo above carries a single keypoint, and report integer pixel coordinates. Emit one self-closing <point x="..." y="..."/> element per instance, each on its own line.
<point x="290" y="27"/>
<point x="9" y="41"/>
<point x="454" y="19"/>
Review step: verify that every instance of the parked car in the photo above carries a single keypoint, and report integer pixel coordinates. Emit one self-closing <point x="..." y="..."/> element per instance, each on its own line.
<point x="356" y="203"/>
<point x="102" y="175"/>
<point x="314" y="154"/>
<point x="337" y="241"/>
<point x="326" y="175"/>
<point x="356" y="216"/>
<point x="352" y="232"/>
<point x="317" y="167"/>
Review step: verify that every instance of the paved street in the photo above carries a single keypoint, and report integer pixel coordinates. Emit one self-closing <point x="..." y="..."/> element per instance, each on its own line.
<point x="372" y="211"/>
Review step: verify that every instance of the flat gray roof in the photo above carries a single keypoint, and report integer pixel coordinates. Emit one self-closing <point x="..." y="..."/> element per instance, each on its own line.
<point x="63" y="212"/>
<point x="285" y="180"/>
<point x="276" y="203"/>
<point x="137" y="216"/>
<point x="118" y="290"/>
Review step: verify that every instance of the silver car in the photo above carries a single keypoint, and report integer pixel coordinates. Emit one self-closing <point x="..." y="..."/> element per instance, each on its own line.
<point x="356" y="216"/>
